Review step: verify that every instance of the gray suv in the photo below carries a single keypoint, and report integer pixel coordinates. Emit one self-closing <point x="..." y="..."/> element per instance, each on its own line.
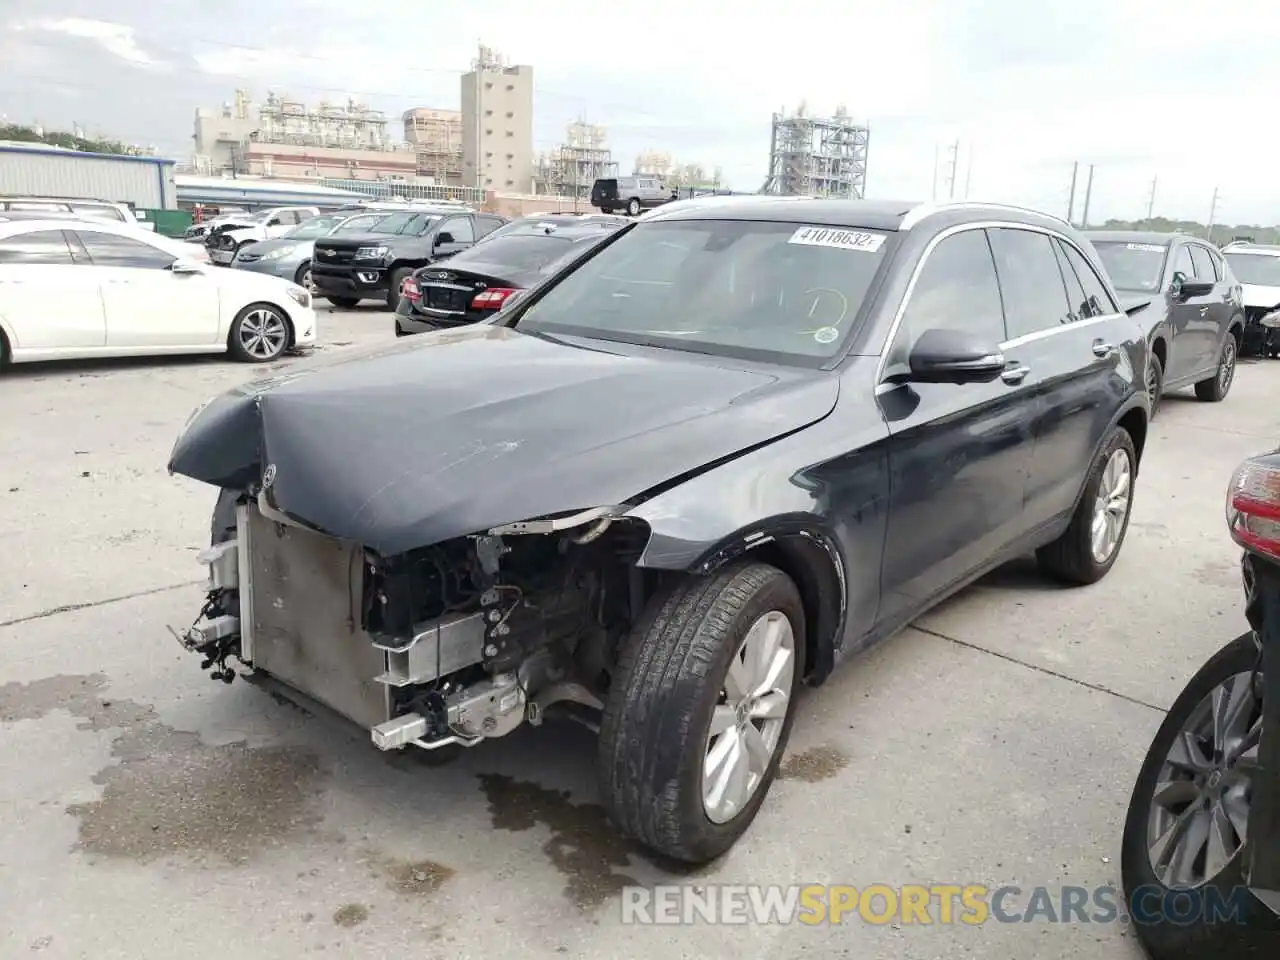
<point x="631" y="194"/>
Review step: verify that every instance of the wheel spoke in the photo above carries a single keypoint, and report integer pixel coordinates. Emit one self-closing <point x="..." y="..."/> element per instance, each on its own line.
<point x="1195" y="835"/>
<point x="737" y="682"/>
<point x="1187" y="755"/>
<point x="771" y="706"/>
<point x="1221" y="844"/>
<point x="1175" y="794"/>
<point x="1236" y="807"/>
<point x="758" y="753"/>
<point x="722" y="718"/>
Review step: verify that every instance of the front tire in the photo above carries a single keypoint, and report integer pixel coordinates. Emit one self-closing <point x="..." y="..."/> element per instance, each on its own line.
<point x="1088" y="548"/>
<point x="260" y="333"/>
<point x="393" y="285"/>
<point x="633" y="207"/>
<point x="700" y="709"/>
<point x="1174" y="873"/>
<point x="1155" y="384"/>
<point x="303" y="277"/>
<point x="1215" y="389"/>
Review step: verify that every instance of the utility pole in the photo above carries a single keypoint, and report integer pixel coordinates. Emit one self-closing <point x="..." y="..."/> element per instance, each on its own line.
<point x="1071" y="200"/>
<point x="1213" y="212"/>
<point x="937" y="159"/>
<point x="968" y="177"/>
<point x="955" y="160"/>
<point x="1151" y="200"/>
<point x="1088" y="192"/>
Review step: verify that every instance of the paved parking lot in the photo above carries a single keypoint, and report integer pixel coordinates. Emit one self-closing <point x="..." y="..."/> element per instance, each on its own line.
<point x="149" y="812"/>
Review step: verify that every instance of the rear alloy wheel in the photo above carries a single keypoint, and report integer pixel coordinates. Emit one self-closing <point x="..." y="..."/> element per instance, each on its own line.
<point x="700" y="708"/>
<point x="1091" y="543"/>
<point x="1184" y="843"/>
<point x="259" y="334"/>
<point x="1155" y="384"/>
<point x="633" y="207"/>
<point x="1215" y="388"/>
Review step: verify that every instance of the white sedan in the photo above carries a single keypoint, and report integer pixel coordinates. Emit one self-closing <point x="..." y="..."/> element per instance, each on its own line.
<point x="78" y="288"/>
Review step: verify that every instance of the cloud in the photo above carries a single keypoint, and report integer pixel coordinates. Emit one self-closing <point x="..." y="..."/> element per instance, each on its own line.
<point x="113" y="37"/>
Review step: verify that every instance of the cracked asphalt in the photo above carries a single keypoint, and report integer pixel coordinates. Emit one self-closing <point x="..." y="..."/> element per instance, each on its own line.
<point x="146" y="811"/>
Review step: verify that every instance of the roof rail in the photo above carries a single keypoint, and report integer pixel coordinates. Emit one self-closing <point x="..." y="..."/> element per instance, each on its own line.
<point x="919" y="212"/>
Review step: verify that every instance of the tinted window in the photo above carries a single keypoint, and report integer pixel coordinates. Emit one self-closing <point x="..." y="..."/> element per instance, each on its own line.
<point x="1182" y="262"/>
<point x="460" y="229"/>
<point x="109" y="250"/>
<point x="1030" y="281"/>
<point x="955" y="290"/>
<point x="1076" y="297"/>
<point x="1257" y="269"/>
<point x="1204" y="266"/>
<point x="781" y="291"/>
<point x="522" y="253"/>
<point x="44" y="247"/>
<point x="1097" y="299"/>
<point x="1133" y="266"/>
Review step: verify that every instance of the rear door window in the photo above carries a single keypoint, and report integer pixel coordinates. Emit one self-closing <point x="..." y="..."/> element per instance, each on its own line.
<point x="1031" y="285"/>
<point x="1097" y="299"/>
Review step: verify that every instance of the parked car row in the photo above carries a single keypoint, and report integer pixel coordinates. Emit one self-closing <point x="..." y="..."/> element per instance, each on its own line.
<point x="692" y="462"/>
<point x="73" y="287"/>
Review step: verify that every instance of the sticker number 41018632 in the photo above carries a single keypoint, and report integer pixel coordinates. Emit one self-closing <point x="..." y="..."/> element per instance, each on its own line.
<point x="837" y="237"/>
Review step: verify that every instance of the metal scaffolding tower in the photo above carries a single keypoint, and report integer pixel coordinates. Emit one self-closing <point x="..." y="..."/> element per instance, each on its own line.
<point x="817" y="156"/>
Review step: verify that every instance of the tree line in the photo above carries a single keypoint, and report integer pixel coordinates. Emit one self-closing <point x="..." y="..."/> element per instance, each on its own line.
<point x="68" y="141"/>
<point x="1222" y="233"/>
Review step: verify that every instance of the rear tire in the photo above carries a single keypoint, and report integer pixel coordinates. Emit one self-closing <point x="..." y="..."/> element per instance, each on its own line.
<point x="1162" y="916"/>
<point x="657" y="756"/>
<point x="1072" y="557"/>
<point x="346" y="303"/>
<point x="1215" y="389"/>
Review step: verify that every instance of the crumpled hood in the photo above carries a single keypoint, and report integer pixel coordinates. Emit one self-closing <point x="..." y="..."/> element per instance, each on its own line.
<point x="1258" y="296"/>
<point x="448" y="434"/>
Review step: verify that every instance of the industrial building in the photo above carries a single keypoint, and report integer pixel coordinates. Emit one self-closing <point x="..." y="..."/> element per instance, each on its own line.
<point x="436" y="139"/>
<point x="691" y="177"/>
<point x="497" y="124"/>
<point x="285" y="138"/>
<point x="813" y="156"/>
<point x="570" y="169"/>
<point x="145" y="183"/>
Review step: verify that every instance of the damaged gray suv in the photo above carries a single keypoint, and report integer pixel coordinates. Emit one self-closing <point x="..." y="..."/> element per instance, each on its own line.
<point x="740" y="440"/>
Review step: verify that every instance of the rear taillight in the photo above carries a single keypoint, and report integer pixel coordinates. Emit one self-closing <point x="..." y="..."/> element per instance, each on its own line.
<point x="491" y="299"/>
<point x="1253" y="505"/>
<point x="410" y="289"/>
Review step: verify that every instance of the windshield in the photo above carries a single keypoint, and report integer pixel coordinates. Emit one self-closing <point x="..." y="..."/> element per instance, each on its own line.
<point x="1133" y="266"/>
<point x="1256" y="269"/>
<point x="756" y="290"/>
<point x="364" y="223"/>
<point x="315" y="227"/>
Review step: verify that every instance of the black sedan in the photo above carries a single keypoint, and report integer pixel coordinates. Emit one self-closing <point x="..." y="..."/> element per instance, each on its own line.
<point x="474" y="285"/>
<point x="1187" y="300"/>
<point x="735" y="444"/>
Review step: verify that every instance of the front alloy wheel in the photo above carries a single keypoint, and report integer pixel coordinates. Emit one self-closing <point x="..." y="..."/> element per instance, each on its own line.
<point x="1111" y="506"/>
<point x="260" y="333"/>
<point x="699" y="709"/>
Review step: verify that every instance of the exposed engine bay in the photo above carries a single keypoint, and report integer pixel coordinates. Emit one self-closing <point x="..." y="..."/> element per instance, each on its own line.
<point x="447" y="644"/>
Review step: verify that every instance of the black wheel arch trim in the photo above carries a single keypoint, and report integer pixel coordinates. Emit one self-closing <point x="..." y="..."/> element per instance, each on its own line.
<point x="803" y="548"/>
<point x="1130" y="413"/>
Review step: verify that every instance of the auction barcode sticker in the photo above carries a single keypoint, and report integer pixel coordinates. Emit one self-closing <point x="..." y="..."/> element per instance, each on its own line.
<point x="836" y="237"/>
<point x="1145" y="247"/>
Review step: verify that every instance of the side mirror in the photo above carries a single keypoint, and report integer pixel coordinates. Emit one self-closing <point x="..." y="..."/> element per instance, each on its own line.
<point x="1185" y="287"/>
<point x="443" y="238"/>
<point x="953" y="356"/>
<point x="274" y="222"/>
<point x="182" y="268"/>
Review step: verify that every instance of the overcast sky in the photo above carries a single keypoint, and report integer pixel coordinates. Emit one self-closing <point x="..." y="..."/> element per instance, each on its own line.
<point x="1171" y="90"/>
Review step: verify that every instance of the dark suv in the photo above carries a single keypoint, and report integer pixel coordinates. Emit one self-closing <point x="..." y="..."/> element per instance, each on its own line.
<point x="349" y="268"/>
<point x="1188" y="301"/>
<point x="632" y="194"/>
